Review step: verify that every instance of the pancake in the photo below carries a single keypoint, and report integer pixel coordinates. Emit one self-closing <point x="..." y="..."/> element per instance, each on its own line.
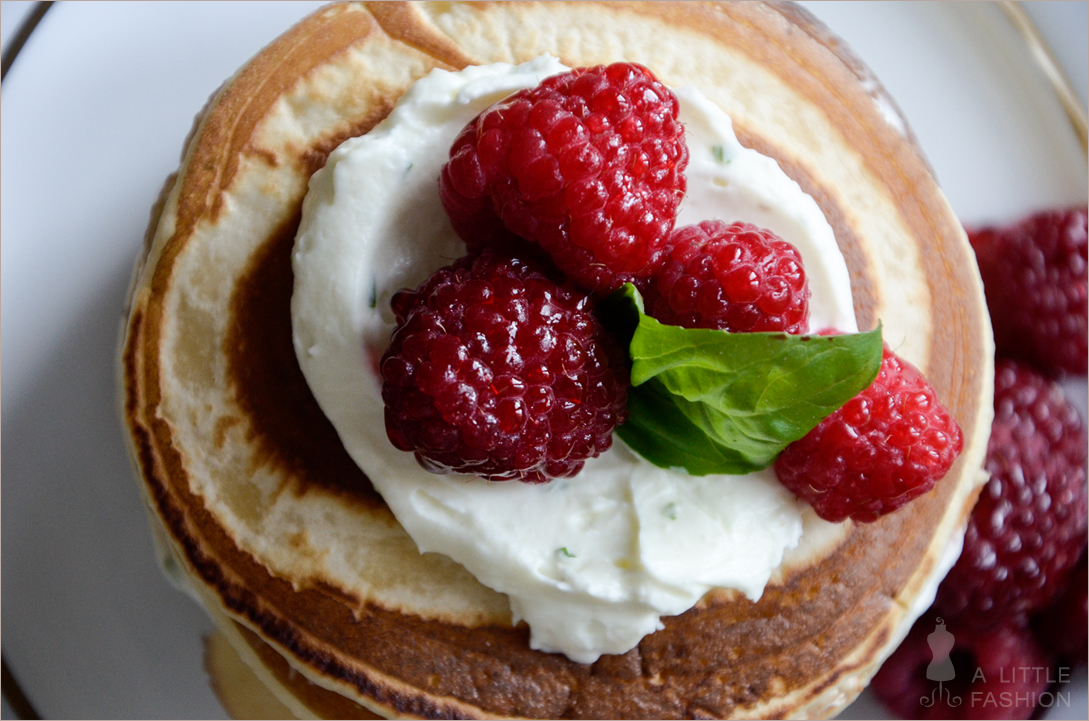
<point x="236" y="685"/>
<point x="308" y="575"/>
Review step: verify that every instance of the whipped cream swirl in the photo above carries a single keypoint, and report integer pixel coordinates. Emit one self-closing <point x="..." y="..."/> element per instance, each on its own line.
<point x="593" y="562"/>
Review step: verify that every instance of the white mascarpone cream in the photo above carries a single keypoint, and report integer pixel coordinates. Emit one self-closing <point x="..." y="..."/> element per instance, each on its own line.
<point x="593" y="562"/>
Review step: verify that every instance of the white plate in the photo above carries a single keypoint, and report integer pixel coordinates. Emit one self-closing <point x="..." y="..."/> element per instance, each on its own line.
<point x="95" y="109"/>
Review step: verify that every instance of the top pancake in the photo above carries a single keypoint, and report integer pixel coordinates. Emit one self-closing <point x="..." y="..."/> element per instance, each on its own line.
<point x="282" y="532"/>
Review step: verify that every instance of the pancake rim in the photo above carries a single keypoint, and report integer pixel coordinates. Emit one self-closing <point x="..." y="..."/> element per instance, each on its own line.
<point x="199" y="196"/>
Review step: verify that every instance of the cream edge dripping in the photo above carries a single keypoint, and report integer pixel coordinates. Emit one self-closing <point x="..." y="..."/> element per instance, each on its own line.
<point x="593" y="562"/>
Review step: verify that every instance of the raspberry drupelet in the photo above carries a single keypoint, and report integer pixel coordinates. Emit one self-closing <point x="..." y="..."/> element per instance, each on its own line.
<point x="886" y="446"/>
<point x="495" y="369"/>
<point x="589" y="164"/>
<point x="1063" y="626"/>
<point x="734" y="277"/>
<point x="1035" y="275"/>
<point x="1028" y="528"/>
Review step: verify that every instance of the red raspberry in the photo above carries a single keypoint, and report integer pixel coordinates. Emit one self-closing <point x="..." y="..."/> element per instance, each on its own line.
<point x="996" y="674"/>
<point x="731" y="277"/>
<point x="496" y="370"/>
<point x="589" y="164"/>
<point x="1029" y="524"/>
<point x="1034" y="275"/>
<point x="1063" y="627"/>
<point x="886" y="446"/>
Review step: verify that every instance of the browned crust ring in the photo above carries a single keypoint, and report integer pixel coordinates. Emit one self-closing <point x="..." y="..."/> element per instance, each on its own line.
<point x="689" y="641"/>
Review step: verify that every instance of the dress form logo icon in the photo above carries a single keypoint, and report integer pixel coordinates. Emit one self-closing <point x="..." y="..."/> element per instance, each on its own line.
<point x="941" y="668"/>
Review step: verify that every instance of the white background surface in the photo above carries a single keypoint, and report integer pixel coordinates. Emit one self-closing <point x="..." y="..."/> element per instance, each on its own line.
<point x="95" y="109"/>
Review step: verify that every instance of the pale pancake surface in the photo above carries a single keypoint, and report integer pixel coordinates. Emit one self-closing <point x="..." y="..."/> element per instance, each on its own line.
<point x="280" y="530"/>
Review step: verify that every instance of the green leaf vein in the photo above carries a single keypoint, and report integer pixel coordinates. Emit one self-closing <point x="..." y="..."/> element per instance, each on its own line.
<point x="710" y="401"/>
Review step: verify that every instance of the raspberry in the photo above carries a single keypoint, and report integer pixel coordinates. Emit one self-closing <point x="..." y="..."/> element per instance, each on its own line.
<point x="1028" y="527"/>
<point x="996" y="674"/>
<point x="1063" y="627"/>
<point x="495" y="369"/>
<point x="886" y="446"/>
<point x="731" y="277"/>
<point x="589" y="164"/>
<point x="1034" y="275"/>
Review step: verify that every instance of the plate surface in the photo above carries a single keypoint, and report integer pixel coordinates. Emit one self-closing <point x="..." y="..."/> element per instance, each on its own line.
<point x="95" y="110"/>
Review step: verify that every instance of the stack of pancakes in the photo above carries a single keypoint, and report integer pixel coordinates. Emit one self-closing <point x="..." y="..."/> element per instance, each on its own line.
<point x="310" y="578"/>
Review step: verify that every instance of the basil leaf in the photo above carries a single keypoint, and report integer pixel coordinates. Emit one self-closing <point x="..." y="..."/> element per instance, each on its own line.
<point x="711" y="401"/>
<point x="660" y="432"/>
